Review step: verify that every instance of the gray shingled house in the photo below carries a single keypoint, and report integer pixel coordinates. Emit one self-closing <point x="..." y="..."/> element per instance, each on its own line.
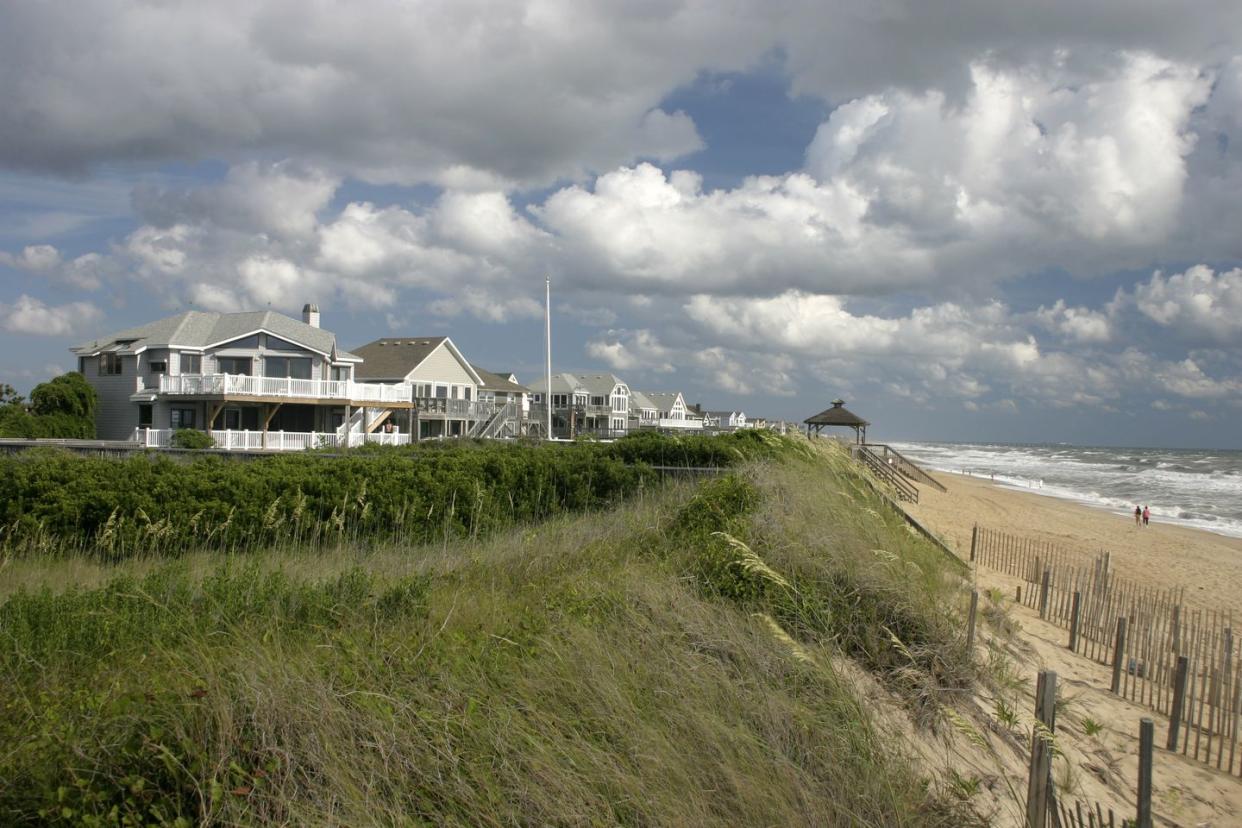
<point x="256" y="380"/>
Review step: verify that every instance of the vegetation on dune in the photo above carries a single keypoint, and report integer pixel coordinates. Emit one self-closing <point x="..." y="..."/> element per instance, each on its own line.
<point x="157" y="505"/>
<point x="63" y="407"/>
<point x="669" y="661"/>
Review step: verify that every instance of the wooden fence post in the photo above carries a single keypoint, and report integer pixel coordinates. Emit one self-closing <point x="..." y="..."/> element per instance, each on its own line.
<point x="1119" y="648"/>
<point x="1074" y="612"/>
<point x="1043" y="593"/>
<point x="1179" y="701"/>
<point x="1177" y="628"/>
<point x="970" y="620"/>
<point x="1146" y="739"/>
<point x="1040" y="781"/>
<point x="974" y="537"/>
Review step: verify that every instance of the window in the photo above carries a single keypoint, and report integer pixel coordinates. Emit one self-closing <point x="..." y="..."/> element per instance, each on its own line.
<point x="291" y="367"/>
<point x="340" y="372"/>
<point x="246" y="342"/>
<point x="144" y="416"/>
<point x="160" y="367"/>
<point x="109" y="364"/>
<point x="597" y="400"/>
<point x="560" y="400"/>
<point x="454" y="392"/>
<point x="465" y="393"/>
<point x="234" y="365"/>
<point x="442" y="392"/>
<point x="191" y="364"/>
<point x="181" y="418"/>
<point x="274" y="344"/>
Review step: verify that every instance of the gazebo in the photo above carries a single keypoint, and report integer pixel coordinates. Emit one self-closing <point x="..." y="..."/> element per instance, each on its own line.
<point x="838" y="415"/>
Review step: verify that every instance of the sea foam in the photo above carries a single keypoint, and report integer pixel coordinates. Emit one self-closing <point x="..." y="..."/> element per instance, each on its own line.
<point x="1202" y="489"/>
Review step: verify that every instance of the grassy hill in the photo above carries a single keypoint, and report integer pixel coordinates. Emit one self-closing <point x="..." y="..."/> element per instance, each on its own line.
<point x="675" y="659"/>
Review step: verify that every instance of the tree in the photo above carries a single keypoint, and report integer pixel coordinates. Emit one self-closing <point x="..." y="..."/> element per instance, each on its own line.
<point x="63" y="407"/>
<point x="67" y="394"/>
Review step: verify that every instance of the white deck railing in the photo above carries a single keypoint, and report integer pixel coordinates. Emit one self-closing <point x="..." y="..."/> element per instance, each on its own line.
<point x="668" y="422"/>
<point x="235" y="440"/>
<point x="247" y="386"/>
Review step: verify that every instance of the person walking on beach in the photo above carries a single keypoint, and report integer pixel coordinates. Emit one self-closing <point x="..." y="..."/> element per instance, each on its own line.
<point x="1138" y="516"/>
<point x="1146" y="515"/>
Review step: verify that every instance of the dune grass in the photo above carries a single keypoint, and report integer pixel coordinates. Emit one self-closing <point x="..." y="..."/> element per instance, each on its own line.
<point x="668" y="661"/>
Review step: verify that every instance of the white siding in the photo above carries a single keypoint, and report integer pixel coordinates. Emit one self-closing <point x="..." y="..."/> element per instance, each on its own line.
<point x="442" y="367"/>
<point x="115" y="416"/>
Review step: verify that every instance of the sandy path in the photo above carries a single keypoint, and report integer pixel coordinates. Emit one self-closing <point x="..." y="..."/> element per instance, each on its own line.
<point x="1208" y="566"/>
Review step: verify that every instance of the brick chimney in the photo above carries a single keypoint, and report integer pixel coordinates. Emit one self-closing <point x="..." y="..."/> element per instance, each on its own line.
<point x="310" y="314"/>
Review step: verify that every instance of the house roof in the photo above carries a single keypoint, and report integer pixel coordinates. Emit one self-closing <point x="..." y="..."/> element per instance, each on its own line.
<point x="204" y="329"/>
<point x="395" y="357"/>
<point x="497" y="382"/>
<point x="664" y="400"/>
<point x="639" y="401"/>
<point x="724" y="415"/>
<point x="599" y="384"/>
<point x="838" y="415"/>
<point x="561" y="384"/>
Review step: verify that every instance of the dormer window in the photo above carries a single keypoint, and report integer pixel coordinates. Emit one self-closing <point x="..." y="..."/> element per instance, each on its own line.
<point x="109" y="364"/>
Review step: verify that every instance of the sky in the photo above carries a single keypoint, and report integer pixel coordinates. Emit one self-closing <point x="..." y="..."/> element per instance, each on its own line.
<point x="973" y="220"/>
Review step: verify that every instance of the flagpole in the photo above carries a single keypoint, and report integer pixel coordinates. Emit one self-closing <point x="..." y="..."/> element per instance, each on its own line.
<point x="547" y="336"/>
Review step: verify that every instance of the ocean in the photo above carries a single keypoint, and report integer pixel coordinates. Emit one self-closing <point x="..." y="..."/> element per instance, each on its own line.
<point x="1202" y="489"/>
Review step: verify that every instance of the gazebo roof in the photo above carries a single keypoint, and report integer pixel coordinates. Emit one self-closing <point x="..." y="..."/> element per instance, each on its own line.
<point x="838" y="415"/>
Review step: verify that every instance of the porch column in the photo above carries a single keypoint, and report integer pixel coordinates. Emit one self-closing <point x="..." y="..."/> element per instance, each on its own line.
<point x="348" y="412"/>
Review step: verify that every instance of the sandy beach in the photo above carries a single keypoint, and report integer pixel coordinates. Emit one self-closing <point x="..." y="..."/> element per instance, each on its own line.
<point x="1101" y="767"/>
<point x="1207" y="565"/>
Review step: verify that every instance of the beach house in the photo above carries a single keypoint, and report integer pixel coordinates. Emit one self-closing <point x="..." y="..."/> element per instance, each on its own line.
<point x="596" y="404"/>
<point x="445" y="385"/>
<point x="726" y="420"/>
<point x="672" y="411"/>
<point x="643" y="412"/>
<point x="254" y="380"/>
<point x="511" y="400"/>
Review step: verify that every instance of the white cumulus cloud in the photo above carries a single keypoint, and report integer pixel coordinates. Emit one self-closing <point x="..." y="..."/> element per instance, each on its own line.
<point x="29" y="315"/>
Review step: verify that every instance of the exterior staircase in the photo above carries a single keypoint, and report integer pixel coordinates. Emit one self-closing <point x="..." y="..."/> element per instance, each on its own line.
<point x="500" y="423"/>
<point x="887" y="472"/>
<point x="906" y="467"/>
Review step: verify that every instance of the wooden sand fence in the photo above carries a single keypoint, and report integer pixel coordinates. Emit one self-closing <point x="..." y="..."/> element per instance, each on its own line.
<point x="1182" y="663"/>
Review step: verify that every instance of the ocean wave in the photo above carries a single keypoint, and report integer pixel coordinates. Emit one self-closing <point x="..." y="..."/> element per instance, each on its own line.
<point x="1199" y="489"/>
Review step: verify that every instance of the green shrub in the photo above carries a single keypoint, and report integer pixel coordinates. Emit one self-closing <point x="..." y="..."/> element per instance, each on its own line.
<point x="151" y="504"/>
<point x="192" y="438"/>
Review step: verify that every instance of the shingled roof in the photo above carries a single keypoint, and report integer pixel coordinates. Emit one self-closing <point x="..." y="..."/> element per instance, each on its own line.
<point x="838" y="415"/>
<point x="205" y="329"/>
<point x="497" y="382"/>
<point x="393" y="358"/>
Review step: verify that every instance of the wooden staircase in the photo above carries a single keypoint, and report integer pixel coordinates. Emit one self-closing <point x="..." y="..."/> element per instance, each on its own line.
<point x="908" y="468"/>
<point x="887" y="472"/>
